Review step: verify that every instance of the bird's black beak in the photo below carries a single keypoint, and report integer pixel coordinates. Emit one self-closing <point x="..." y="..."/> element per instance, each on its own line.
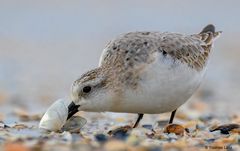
<point x="72" y="109"/>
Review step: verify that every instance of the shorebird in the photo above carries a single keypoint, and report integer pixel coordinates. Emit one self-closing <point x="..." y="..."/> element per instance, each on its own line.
<point x="145" y="73"/>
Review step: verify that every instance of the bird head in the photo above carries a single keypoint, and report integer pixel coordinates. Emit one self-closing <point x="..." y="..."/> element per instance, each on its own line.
<point x="90" y="93"/>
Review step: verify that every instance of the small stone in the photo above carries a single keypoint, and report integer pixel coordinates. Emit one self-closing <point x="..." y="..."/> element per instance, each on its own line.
<point x="210" y="140"/>
<point x="174" y="128"/>
<point x="101" y="138"/>
<point x="3" y="125"/>
<point x="120" y="132"/>
<point x="148" y="126"/>
<point x="226" y="128"/>
<point x="122" y="135"/>
<point x="20" y="126"/>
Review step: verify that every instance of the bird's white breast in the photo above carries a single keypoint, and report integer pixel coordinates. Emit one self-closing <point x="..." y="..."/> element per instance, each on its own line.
<point x="164" y="86"/>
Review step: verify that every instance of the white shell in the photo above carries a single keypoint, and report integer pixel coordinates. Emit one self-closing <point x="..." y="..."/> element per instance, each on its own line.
<point x="55" y="117"/>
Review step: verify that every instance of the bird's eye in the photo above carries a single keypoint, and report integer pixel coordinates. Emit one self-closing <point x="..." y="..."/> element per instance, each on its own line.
<point x="86" y="89"/>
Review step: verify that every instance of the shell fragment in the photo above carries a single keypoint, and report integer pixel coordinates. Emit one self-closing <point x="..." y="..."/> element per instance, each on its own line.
<point x="74" y="124"/>
<point x="56" y="116"/>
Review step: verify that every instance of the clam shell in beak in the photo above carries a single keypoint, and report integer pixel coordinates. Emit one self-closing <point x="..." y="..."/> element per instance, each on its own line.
<point x="55" y="117"/>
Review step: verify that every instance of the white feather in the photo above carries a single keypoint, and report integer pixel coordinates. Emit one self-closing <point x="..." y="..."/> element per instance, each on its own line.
<point x="164" y="86"/>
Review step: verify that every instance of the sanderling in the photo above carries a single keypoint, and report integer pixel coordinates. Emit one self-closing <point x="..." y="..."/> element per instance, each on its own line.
<point x="145" y="73"/>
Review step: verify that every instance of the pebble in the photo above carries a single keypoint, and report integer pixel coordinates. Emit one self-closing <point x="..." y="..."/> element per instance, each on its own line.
<point x="102" y="138"/>
<point x="210" y="140"/>
<point x="120" y="133"/>
<point x="226" y="128"/>
<point x="142" y="138"/>
<point x="174" y="128"/>
<point x="2" y="125"/>
<point x="148" y="126"/>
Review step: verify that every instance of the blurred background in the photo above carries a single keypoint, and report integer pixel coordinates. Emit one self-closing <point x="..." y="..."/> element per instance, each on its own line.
<point x="46" y="45"/>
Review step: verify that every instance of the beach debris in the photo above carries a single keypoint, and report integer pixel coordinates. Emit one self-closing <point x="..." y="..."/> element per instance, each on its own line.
<point x="148" y="126"/>
<point x="120" y="132"/>
<point x="159" y="136"/>
<point x="55" y="117"/>
<point x="3" y="125"/>
<point x="102" y="138"/>
<point x="174" y="128"/>
<point x="226" y="128"/>
<point x="74" y="124"/>
<point x="20" y="126"/>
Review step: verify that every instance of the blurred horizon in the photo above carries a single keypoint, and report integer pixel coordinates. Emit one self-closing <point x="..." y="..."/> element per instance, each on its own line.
<point x="46" y="45"/>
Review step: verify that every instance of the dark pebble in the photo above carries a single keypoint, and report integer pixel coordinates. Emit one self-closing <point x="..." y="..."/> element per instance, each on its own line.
<point x="122" y="135"/>
<point x="148" y="126"/>
<point x="224" y="129"/>
<point x="210" y="140"/>
<point x="101" y="138"/>
<point x="187" y="130"/>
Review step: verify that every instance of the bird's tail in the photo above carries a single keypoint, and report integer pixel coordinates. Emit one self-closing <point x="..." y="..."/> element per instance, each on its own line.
<point x="209" y="35"/>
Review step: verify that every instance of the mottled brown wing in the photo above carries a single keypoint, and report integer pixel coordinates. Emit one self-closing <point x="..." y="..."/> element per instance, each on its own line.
<point x="191" y="49"/>
<point x="135" y="49"/>
<point x="188" y="49"/>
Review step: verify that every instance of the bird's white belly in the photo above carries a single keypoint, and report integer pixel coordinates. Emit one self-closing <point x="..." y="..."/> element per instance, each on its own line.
<point x="164" y="86"/>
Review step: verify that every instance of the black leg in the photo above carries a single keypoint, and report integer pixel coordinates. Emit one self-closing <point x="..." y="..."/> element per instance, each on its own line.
<point x="140" y="116"/>
<point x="172" y="116"/>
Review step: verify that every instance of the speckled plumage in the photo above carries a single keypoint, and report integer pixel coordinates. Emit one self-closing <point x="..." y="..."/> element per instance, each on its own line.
<point x="135" y="48"/>
<point x="130" y="53"/>
<point x="146" y="72"/>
